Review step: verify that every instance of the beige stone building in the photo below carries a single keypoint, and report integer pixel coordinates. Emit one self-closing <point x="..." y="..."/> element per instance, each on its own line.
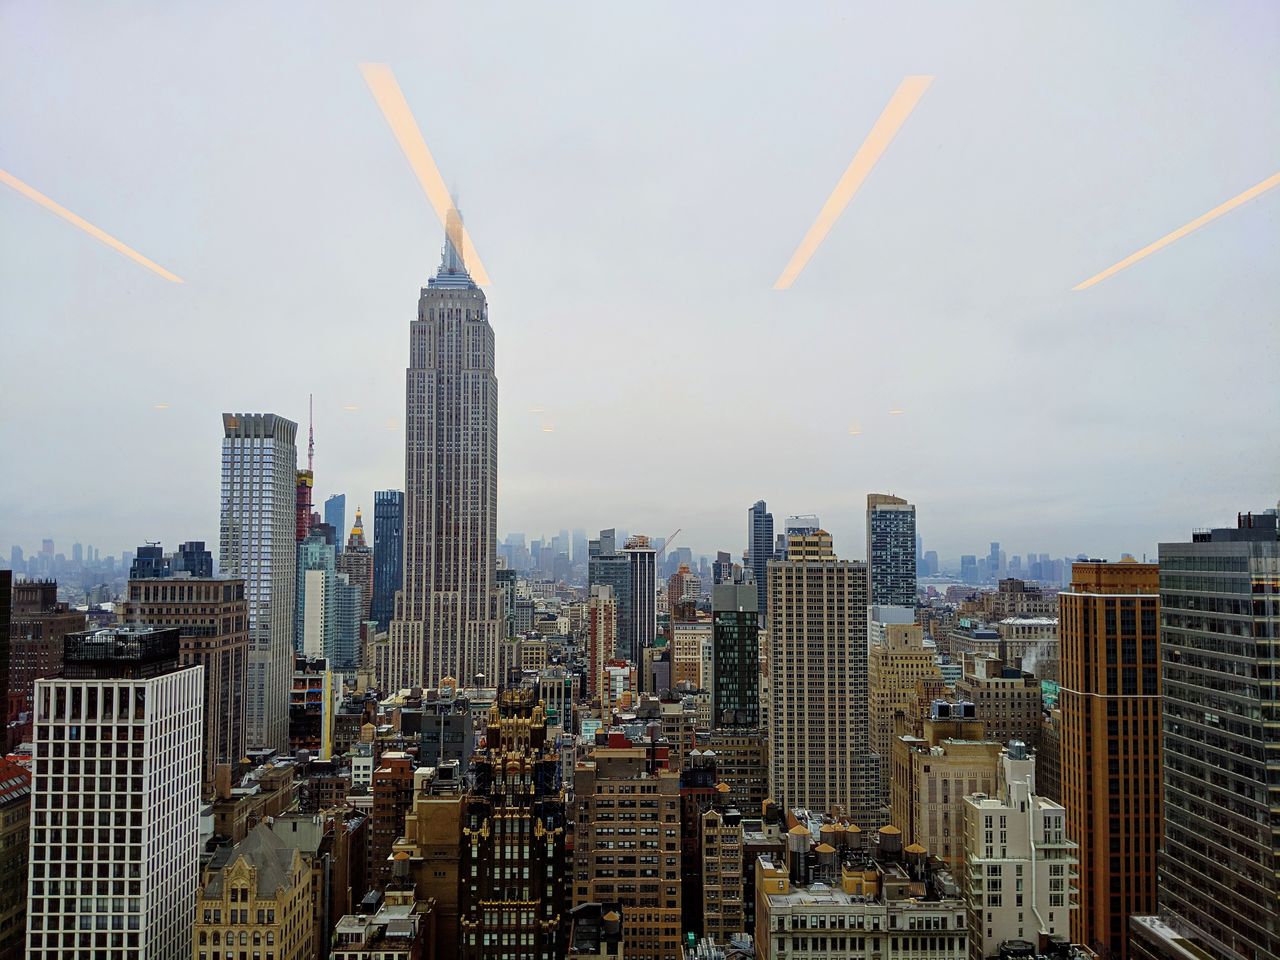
<point x="933" y="774"/>
<point x="893" y="666"/>
<point x="687" y="641"/>
<point x="820" y="746"/>
<point x="1008" y="700"/>
<point x="256" y="901"/>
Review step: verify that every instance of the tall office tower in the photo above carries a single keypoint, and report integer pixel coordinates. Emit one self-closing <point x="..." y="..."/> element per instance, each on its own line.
<point x="621" y="791"/>
<point x="602" y="634"/>
<point x="38" y="623"/>
<point x="446" y="621"/>
<point x="891" y="550"/>
<point x="513" y="856"/>
<point x="608" y="567"/>
<point x="6" y="614"/>
<point x="760" y="550"/>
<point x="114" y="891"/>
<point x="351" y="613"/>
<point x="1110" y="700"/>
<point x="1219" y="636"/>
<point x="994" y="565"/>
<point x="257" y="544"/>
<point x="316" y="625"/>
<point x="335" y="515"/>
<point x="1018" y="844"/>
<point x="212" y="618"/>
<point x="356" y="561"/>
<point x="643" y="615"/>
<point x="821" y="752"/>
<point x="735" y="682"/>
<point x="388" y="553"/>
<point x="192" y="559"/>
<point x="897" y="658"/>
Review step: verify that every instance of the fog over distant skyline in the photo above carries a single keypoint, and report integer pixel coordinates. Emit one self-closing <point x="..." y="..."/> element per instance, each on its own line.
<point x="635" y="179"/>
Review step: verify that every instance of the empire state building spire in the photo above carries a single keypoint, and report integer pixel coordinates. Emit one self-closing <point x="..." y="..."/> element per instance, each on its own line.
<point x="453" y="268"/>
<point x="446" y="621"/>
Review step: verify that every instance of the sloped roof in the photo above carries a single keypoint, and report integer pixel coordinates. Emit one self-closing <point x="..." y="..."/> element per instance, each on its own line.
<point x="263" y="851"/>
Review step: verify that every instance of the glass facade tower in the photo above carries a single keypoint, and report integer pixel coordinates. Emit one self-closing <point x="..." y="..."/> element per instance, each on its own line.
<point x="1220" y="642"/>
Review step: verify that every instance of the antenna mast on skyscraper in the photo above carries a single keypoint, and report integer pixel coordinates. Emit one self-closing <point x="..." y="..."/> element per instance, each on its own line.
<point x="311" y="430"/>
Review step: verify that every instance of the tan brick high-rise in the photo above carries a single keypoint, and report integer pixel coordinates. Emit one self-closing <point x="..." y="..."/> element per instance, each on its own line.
<point x="1110" y="703"/>
<point x="819" y="723"/>
<point x="895" y="663"/>
<point x="627" y="846"/>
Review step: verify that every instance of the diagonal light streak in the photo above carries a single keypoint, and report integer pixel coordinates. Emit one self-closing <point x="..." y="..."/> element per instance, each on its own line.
<point x="390" y="99"/>
<point x="895" y="114"/>
<point x="31" y="193"/>
<point x="1196" y="224"/>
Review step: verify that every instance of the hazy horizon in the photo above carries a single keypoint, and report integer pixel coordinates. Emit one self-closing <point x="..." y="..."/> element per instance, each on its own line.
<point x="634" y="180"/>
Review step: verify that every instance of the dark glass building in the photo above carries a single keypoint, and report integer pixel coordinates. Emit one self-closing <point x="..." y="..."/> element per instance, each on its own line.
<point x="607" y="566"/>
<point x="760" y="549"/>
<point x="335" y="514"/>
<point x="1219" y="871"/>
<point x="735" y="645"/>
<point x="388" y="553"/>
<point x="891" y="550"/>
<point x="193" y="559"/>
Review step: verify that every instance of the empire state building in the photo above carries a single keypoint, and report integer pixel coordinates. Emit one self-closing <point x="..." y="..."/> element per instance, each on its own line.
<point x="446" y="620"/>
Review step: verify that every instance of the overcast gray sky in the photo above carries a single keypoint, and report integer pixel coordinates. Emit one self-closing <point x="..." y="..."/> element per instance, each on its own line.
<point x="635" y="178"/>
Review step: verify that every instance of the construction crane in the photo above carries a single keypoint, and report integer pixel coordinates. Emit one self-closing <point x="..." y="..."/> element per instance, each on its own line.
<point x="667" y="542"/>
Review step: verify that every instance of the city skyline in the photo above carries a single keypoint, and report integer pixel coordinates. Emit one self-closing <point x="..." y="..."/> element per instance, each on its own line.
<point x="940" y="257"/>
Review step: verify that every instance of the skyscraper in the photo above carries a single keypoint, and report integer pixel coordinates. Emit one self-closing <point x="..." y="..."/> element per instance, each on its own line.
<point x="760" y="550"/>
<point x="126" y="685"/>
<point x="6" y="611"/>
<point x="446" y="621"/>
<point x="602" y="634"/>
<point x="820" y="745"/>
<point x="891" y="550"/>
<point x="258" y="545"/>
<point x="608" y="567"/>
<point x="388" y="553"/>
<point x="1219" y="636"/>
<point x="735" y="690"/>
<point x="357" y="563"/>
<point x="316" y="625"/>
<point x="335" y="515"/>
<point x="1110" y="702"/>
<point x="642" y="628"/>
